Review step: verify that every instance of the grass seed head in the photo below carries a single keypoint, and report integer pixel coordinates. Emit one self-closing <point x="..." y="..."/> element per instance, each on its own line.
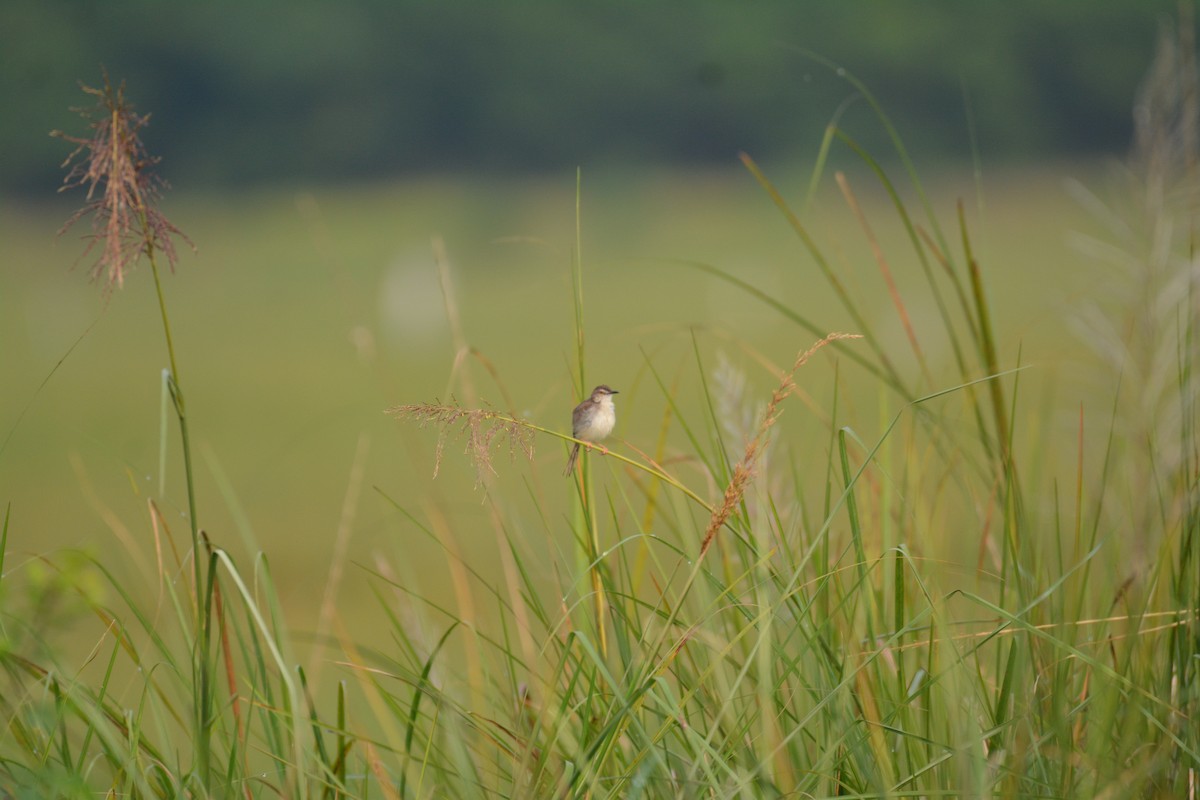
<point x="122" y="187"/>
<point x="483" y="427"/>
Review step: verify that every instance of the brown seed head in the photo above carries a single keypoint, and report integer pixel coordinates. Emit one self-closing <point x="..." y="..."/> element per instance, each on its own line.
<point x="482" y="428"/>
<point x="122" y="187"/>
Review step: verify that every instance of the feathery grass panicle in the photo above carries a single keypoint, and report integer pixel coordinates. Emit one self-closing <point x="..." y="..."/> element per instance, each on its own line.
<point x="744" y="471"/>
<point x="738" y="416"/>
<point x="483" y="427"/>
<point x="1139" y="318"/>
<point x="122" y="187"/>
<point x="1166" y="115"/>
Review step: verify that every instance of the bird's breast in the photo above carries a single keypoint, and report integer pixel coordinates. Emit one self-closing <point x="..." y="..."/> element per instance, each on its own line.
<point x="599" y="423"/>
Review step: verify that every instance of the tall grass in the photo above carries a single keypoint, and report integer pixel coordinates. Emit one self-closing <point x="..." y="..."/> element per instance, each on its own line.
<point x="930" y="612"/>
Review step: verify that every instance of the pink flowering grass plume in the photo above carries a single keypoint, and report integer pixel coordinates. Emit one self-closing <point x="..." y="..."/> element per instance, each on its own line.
<point x="122" y="188"/>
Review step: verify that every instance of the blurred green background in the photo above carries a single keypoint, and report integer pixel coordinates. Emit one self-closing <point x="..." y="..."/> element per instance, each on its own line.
<point x="318" y="150"/>
<point x="292" y="92"/>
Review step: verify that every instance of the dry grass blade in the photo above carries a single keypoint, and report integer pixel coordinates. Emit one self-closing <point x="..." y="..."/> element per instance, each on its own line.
<point x="744" y="470"/>
<point x="886" y="271"/>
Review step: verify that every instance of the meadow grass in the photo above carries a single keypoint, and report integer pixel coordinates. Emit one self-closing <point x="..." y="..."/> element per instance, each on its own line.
<point x="909" y="599"/>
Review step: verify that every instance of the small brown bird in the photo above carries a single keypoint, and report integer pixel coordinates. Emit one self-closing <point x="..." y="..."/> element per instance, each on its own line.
<point x="592" y="420"/>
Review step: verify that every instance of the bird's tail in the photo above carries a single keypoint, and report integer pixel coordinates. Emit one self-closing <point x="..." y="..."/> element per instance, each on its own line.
<point x="571" y="460"/>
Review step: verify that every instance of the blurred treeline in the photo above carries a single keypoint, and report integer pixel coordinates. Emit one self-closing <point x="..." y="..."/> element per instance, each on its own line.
<point x="274" y="90"/>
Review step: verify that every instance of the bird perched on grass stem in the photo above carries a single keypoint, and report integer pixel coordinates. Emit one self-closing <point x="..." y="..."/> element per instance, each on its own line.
<point x="592" y="420"/>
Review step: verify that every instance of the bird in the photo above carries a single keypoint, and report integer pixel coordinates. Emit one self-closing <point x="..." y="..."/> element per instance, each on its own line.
<point x="592" y="420"/>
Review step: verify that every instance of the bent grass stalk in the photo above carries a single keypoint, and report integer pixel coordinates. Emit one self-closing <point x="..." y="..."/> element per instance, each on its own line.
<point x="476" y="421"/>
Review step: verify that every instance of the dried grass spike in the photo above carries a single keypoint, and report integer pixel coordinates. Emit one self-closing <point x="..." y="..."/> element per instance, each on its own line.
<point x="744" y="471"/>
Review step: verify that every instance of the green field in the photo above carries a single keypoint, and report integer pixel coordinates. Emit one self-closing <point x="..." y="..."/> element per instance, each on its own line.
<point x="305" y="313"/>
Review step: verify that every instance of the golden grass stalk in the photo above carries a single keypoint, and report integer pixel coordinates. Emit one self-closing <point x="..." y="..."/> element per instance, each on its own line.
<point x="885" y="270"/>
<point x="744" y="470"/>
